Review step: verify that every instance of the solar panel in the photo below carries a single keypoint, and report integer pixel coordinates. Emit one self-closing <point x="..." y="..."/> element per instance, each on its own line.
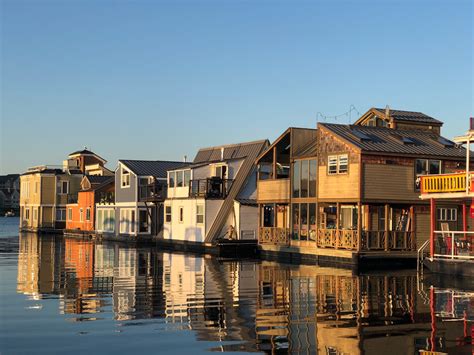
<point x="445" y="142"/>
<point x="361" y="135"/>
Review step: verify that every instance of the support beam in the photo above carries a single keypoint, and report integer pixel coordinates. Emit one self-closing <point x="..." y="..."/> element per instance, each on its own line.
<point x="432" y="226"/>
<point x="338" y="211"/>
<point x="387" y="226"/>
<point x="274" y="166"/>
<point x="359" y="226"/>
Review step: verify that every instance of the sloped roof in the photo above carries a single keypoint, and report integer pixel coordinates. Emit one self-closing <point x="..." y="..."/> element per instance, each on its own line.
<point x="87" y="152"/>
<point x="155" y="168"/>
<point x="232" y="151"/>
<point x="410" y="116"/>
<point x="386" y="140"/>
<point x="9" y="177"/>
<point x="309" y="150"/>
<point x="99" y="179"/>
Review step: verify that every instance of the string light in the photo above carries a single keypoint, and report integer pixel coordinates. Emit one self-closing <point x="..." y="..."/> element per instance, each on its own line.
<point x="348" y="114"/>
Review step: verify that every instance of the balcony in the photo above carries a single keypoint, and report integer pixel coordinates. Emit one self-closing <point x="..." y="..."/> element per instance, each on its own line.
<point x="105" y="198"/>
<point x="153" y="192"/>
<point x="274" y="236"/>
<point x="72" y="198"/>
<point x="444" y="184"/>
<point x="214" y="187"/>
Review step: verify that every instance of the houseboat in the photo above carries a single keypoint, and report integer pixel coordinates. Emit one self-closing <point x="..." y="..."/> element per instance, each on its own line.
<point x="135" y="211"/>
<point x="213" y="200"/>
<point x="450" y="248"/>
<point x="80" y="219"/>
<point x="45" y="190"/>
<point x="349" y="193"/>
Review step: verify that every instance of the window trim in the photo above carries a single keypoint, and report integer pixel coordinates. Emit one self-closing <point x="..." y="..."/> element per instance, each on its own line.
<point x="149" y="222"/>
<point x="337" y="159"/>
<point x="61" y="189"/>
<point x="181" y="214"/>
<point x="69" y="214"/>
<point x="200" y="214"/>
<point x="88" y="214"/>
<point x="124" y="172"/>
<point x="170" y="214"/>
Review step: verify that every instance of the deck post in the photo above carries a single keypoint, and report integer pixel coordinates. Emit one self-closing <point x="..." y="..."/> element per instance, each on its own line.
<point x="464" y="218"/>
<point x="412" y="228"/>
<point x="359" y="226"/>
<point x="336" y="234"/>
<point x="432" y="226"/>
<point x="274" y="167"/>
<point x="387" y="226"/>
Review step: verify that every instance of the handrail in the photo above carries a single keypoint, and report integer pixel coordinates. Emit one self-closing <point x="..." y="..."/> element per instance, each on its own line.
<point x="455" y="182"/>
<point x="420" y="255"/>
<point x="449" y="246"/>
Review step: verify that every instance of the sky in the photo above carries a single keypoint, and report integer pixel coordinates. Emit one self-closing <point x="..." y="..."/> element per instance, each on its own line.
<point x="156" y="80"/>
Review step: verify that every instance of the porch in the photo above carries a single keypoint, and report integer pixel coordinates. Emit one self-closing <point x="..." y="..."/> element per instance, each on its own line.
<point x="214" y="187"/>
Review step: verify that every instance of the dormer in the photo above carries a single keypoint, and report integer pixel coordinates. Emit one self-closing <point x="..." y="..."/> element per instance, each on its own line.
<point x="400" y="120"/>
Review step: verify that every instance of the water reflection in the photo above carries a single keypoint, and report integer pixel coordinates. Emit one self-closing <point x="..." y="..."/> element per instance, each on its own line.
<point x="258" y="306"/>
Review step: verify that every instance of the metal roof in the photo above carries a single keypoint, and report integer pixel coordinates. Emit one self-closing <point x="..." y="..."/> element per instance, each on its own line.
<point x="98" y="179"/>
<point x="411" y="116"/>
<point x="231" y="152"/>
<point x="155" y="168"/>
<point x="403" y="142"/>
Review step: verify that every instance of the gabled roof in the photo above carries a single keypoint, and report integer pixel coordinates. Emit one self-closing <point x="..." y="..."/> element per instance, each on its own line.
<point x="98" y="179"/>
<point x="392" y="141"/>
<point x="401" y="115"/>
<point x="231" y="151"/>
<point x="87" y="152"/>
<point x="9" y="177"/>
<point x="155" y="168"/>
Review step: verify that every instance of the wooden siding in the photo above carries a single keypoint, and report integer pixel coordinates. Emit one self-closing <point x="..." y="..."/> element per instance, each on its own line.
<point x="422" y="227"/>
<point x="273" y="190"/>
<point x="389" y="183"/>
<point x="339" y="187"/>
<point x="48" y="190"/>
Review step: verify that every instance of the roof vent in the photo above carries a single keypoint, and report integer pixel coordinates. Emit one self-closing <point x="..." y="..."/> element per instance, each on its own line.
<point x="222" y="153"/>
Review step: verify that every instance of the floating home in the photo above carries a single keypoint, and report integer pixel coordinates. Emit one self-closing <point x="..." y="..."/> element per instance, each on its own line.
<point x="135" y="210"/>
<point x="450" y="248"/>
<point x="347" y="193"/>
<point x="80" y="219"/>
<point x="214" y="198"/>
<point x="44" y="190"/>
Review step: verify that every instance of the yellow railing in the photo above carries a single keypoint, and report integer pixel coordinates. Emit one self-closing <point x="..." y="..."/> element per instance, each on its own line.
<point x="443" y="183"/>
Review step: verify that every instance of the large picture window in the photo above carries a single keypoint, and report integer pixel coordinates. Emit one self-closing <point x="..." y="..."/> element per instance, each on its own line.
<point x="425" y="167"/>
<point x="105" y="220"/>
<point x="304" y="221"/>
<point x="125" y="178"/>
<point x="304" y="178"/>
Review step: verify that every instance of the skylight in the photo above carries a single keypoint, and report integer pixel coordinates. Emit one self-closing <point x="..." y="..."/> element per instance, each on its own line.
<point x="360" y="135"/>
<point x="404" y="140"/>
<point x="445" y="142"/>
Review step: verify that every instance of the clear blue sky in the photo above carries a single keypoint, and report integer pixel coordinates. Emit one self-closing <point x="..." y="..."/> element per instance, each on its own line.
<point x="159" y="79"/>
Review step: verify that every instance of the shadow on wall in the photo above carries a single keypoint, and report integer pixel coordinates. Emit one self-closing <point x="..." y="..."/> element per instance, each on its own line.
<point x="194" y="234"/>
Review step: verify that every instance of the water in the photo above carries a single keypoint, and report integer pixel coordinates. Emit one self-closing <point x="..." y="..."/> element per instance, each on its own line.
<point x="9" y="226"/>
<point x="63" y="295"/>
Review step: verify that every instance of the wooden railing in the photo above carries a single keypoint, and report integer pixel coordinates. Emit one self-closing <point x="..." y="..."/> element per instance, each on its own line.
<point x="443" y="183"/>
<point x="273" y="235"/>
<point x="337" y="239"/>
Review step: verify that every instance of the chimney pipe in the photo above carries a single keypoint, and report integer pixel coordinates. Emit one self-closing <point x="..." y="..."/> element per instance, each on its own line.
<point x="222" y="153"/>
<point x="185" y="158"/>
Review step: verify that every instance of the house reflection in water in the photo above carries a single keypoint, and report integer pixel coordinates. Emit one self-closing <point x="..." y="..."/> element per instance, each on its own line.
<point x="264" y="306"/>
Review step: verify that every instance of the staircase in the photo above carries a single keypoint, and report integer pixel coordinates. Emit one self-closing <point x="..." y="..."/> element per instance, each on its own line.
<point x="239" y="182"/>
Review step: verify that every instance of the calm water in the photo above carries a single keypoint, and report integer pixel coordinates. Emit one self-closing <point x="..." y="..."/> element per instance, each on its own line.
<point x="62" y="295"/>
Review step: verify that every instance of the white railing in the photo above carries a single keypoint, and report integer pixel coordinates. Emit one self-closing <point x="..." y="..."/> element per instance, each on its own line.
<point x="454" y="245"/>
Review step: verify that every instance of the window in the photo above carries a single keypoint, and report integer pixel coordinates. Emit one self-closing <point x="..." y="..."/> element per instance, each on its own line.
<point x="168" y="214"/>
<point x="37" y="188"/>
<point x="296" y="178"/>
<point x="425" y="167"/>
<point x="296" y="221"/>
<point x="27" y="214"/>
<point x="220" y="171"/>
<point x="35" y="214"/>
<point x="127" y="221"/>
<point x="179" y="178"/>
<point x="88" y="214"/>
<point x="313" y="170"/>
<point x="60" y="214"/>
<point x="171" y="178"/>
<point x="187" y="177"/>
<point x="81" y="215"/>
<point x="304" y="178"/>
<point x="338" y="164"/>
<point x="63" y="187"/>
<point x="69" y="214"/>
<point x="447" y="214"/>
<point x="199" y="214"/>
<point x="125" y="178"/>
<point x="105" y="220"/>
<point x="143" y="222"/>
<point x="25" y="189"/>
<point x="181" y="215"/>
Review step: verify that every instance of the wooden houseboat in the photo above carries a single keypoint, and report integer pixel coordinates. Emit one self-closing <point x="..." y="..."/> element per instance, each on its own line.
<point x="351" y="192"/>
<point x="135" y="212"/>
<point x="45" y="190"/>
<point x="213" y="199"/>
<point x="80" y="219"/>
<point x="450" y="248"/>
